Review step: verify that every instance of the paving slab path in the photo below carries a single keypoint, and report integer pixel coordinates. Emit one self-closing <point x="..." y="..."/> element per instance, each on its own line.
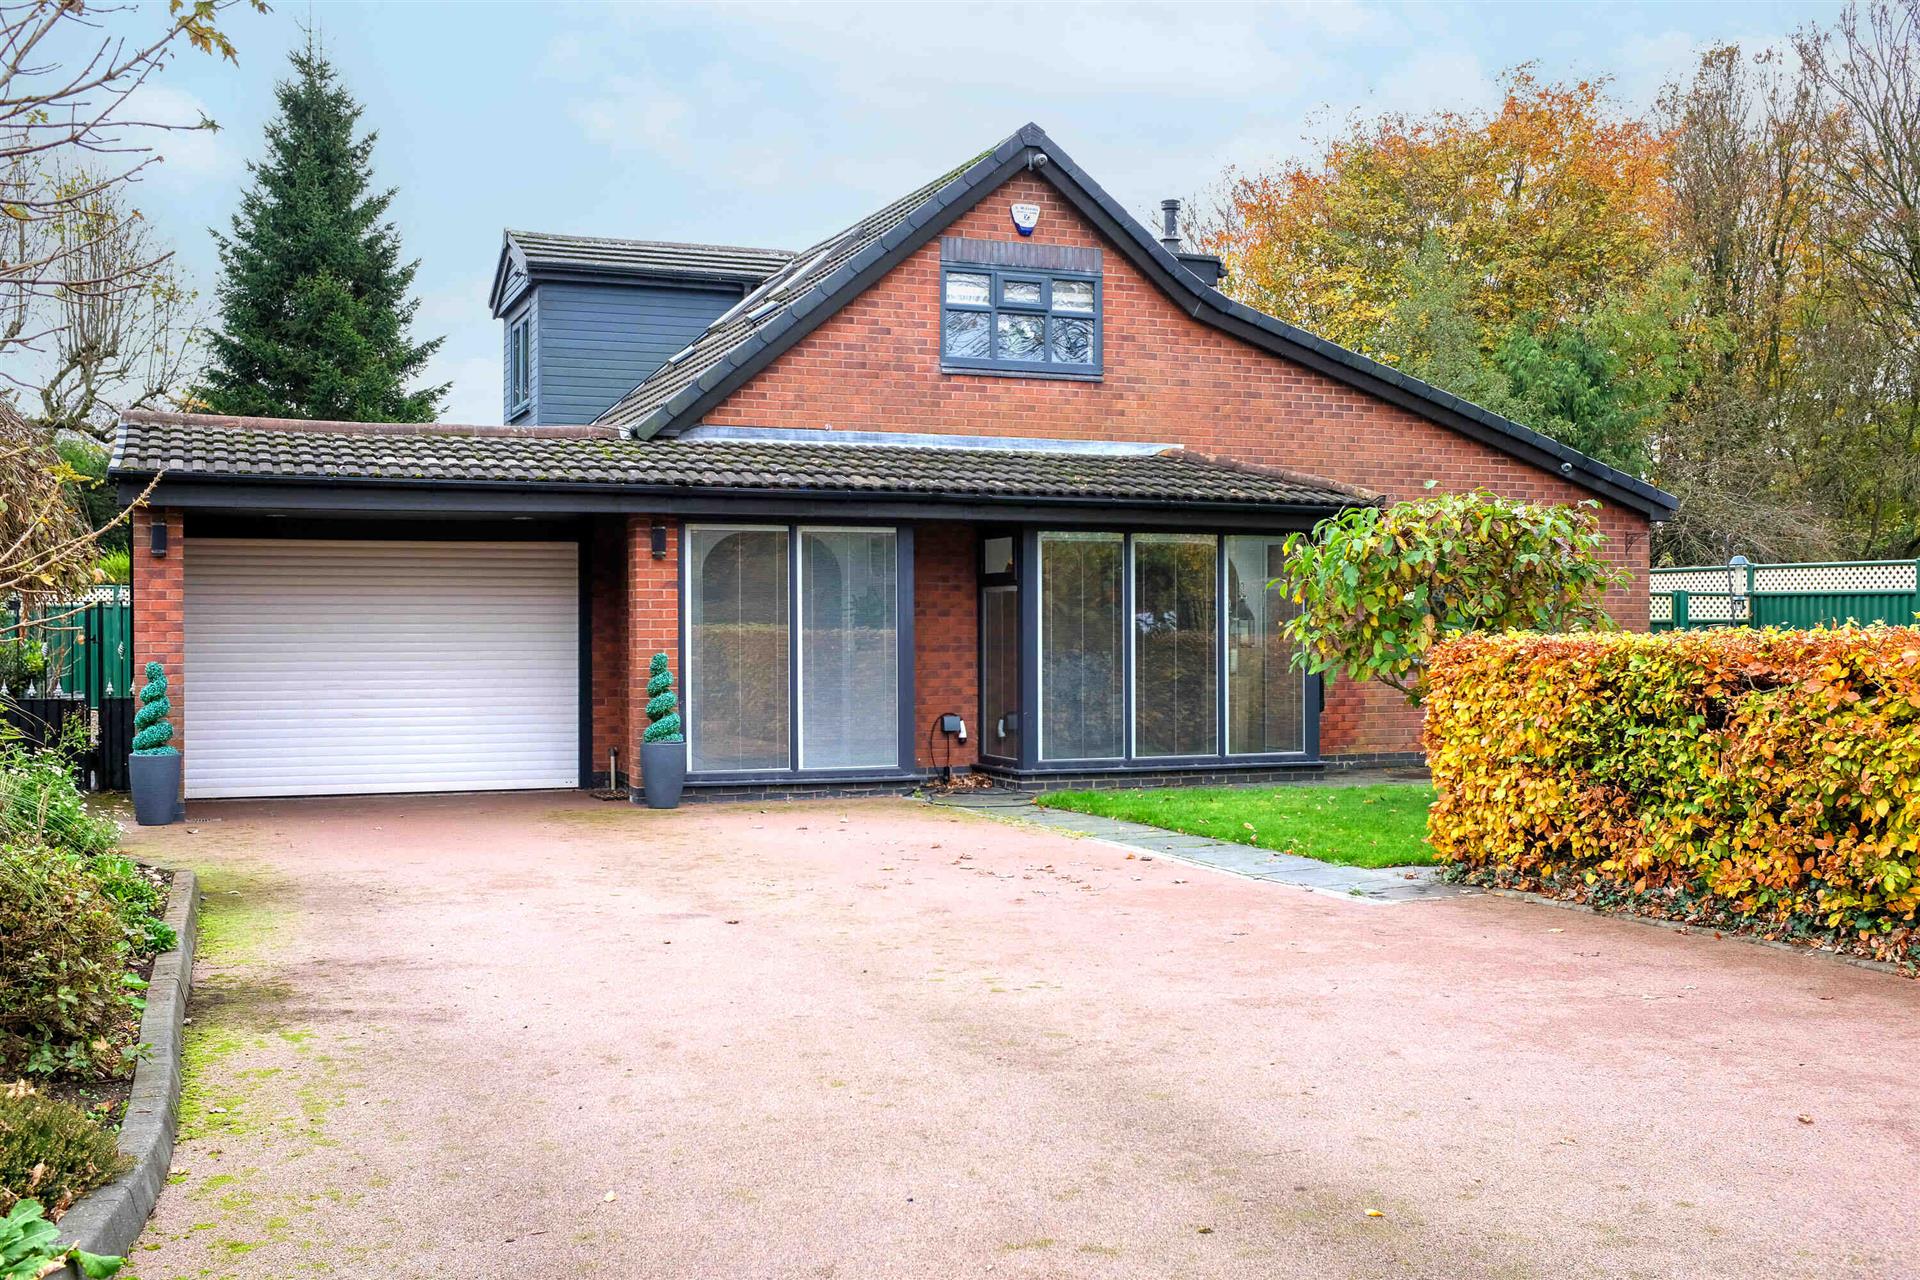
<point x="532" y="1035"/>
<point x="1370" y="884"/>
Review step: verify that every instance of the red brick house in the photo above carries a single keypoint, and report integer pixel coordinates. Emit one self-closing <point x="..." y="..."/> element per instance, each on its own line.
<point x="992" y="456"/>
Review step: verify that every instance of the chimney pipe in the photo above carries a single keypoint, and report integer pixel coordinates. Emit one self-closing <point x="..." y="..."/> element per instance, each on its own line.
<point x="1170" y="225"/>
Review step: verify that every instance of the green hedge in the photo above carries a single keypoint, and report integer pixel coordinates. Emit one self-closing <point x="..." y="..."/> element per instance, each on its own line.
<point x="1762" y="779"/>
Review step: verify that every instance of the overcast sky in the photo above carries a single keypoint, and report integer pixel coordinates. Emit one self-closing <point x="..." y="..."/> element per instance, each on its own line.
<point x="778" y="124"/>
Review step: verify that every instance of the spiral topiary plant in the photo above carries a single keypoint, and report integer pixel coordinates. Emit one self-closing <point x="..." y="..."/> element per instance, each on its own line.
<point x="152" y="730"/>
<point x="663" y="709"/>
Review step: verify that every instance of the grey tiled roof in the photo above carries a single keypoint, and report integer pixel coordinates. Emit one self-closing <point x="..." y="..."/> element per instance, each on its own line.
<point x="737" y="346"/>
<point x="719" y="261"/>
<point x="769" y="305"/>
<point x="190" y="447"/>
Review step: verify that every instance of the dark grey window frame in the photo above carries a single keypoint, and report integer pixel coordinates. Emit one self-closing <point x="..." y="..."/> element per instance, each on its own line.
<point x="906" y="765"/>
<point x="1027" y="564"/>
<point x="995" y="306"/>
<point x="520" y="363"/>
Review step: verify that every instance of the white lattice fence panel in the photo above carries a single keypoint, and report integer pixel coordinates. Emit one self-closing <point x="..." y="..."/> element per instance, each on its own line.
<point x="1687" y="580"/>
<point x="1713" y="609"/>
<point x="1659" y="608"/>
<point x="1892" y="575"/>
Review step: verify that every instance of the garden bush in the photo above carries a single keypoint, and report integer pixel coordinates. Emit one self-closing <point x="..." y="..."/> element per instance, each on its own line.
<point x="41" y="804"/>
<point x="1763" y="779"/>
<point x="137" y="899"/>
<point x="51" y="1151"/>
<point x="66" y="998"/>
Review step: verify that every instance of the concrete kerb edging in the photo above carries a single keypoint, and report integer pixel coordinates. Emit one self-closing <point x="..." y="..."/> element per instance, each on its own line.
<point x="110" y="1219"/>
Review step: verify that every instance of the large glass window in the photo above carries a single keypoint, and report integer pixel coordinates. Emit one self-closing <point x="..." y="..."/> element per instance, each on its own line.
<point x="1266" y="696"/>
<point x="1180" y="632"/>
<point x="849" y="649"/>
<point x="1006" y="318"/>
<point x="1082" y="647"/>
<point x="737" y="639"/>
<point x="1176" y="637"/>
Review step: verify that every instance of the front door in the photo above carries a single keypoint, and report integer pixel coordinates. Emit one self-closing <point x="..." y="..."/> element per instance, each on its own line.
<point x="1000" y="647"/>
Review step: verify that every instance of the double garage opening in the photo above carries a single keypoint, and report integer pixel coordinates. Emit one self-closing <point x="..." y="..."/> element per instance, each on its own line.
<point x="345" y="667"/>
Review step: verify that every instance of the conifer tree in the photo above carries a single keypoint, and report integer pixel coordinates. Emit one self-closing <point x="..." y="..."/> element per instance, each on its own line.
<point x="314" y="308"/>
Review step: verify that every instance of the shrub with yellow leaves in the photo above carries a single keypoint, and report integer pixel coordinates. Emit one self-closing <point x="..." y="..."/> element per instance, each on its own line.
<point x="1734" y="778"/>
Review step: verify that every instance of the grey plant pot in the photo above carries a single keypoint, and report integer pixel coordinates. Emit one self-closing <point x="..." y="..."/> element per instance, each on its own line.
<point x="156" y="789"/>
<point x="663" y="773"/>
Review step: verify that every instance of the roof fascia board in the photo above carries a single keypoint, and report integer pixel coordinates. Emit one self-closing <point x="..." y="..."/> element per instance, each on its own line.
<point x="393" y="497"/>
<point x="509" y="253"/>
<point x="588" y="273"/>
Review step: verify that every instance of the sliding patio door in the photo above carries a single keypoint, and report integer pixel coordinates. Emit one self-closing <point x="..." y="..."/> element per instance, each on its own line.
<point x="849" y="649"/>
<point x="766" y="695"/>
<point x="738" y="637"/>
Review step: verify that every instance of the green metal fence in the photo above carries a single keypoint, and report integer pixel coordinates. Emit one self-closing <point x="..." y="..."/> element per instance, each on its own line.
<point x="1739" y="594"/>
<point x="88" y="644"/>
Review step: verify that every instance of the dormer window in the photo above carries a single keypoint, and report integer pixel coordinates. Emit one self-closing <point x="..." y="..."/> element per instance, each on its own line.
<point x="519" y="364"/>
<point x="1017" y="320"/>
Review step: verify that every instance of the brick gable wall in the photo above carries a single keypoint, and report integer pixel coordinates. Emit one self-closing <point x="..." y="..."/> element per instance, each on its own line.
<point x="1168" y="378"/>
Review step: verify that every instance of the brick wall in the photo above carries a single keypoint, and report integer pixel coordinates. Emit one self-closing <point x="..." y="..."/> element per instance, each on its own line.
<point x="946" y="630"/>
<point x="653" y="623"/>
<point x="607" y="605"/>
<point x="159" y="608"/>
<point x="874" y="366"/>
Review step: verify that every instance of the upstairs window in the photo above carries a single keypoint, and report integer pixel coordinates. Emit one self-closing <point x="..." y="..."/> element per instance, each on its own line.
<point x="519" y="387"/>
<point x="1020" y="320"/>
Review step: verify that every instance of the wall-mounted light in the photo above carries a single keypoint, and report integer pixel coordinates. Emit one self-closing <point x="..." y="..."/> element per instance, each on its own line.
<point x="158" y="544"/>
<point x="659" y="542"/>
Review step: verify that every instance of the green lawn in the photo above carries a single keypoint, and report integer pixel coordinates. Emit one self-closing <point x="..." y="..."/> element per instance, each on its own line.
<point x="1382" y="825"/>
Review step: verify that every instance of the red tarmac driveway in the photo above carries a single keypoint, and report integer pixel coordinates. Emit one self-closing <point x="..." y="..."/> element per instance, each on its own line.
<point x="542" y="1035"/>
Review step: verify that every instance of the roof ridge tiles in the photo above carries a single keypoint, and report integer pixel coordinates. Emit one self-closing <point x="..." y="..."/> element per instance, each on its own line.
<point x="323" y="426"/>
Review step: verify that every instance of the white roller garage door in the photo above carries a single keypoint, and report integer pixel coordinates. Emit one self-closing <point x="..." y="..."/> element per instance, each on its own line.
<point x="343" y="667"/>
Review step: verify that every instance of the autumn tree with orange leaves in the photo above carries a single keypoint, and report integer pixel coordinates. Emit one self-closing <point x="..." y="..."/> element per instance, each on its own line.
<point x="1545" y="205"/>
<point x="1716" y="294"/>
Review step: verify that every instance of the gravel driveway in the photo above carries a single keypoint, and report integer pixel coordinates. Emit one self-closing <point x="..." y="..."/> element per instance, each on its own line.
<point x="545" y="1035"/>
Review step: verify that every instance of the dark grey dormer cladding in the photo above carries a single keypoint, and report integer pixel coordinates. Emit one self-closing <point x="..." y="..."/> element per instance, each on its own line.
<point x="598" y="315"/>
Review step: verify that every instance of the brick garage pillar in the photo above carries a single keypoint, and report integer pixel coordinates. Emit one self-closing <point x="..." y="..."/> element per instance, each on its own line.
<point x="159" y="608"/>
<point x="607" y="603"/>
<point x="653" y="622"/>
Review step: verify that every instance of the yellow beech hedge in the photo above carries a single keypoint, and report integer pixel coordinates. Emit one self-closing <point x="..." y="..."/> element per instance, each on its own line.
<point x="1767" y="779"/>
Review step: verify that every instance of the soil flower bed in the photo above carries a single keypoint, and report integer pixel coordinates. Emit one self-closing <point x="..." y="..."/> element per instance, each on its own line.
<point x="80" y="928"/>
